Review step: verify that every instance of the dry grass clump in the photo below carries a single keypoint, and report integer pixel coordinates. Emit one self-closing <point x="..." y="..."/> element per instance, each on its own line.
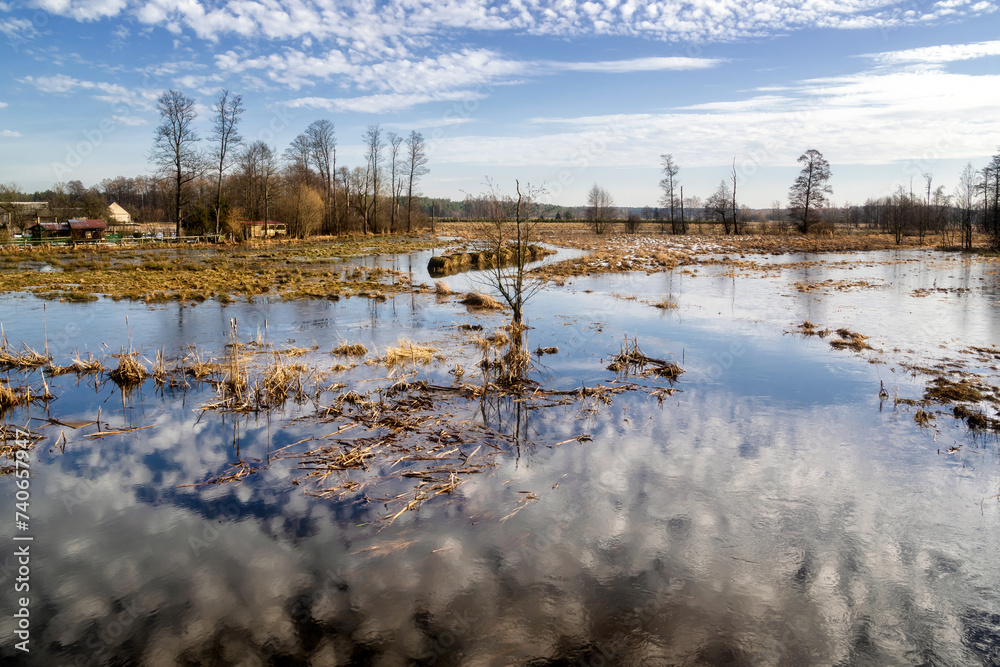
<point x="633" y="360"/>
<point x="493" y="341"/>
<point x="298" y="351"/>
<point x="346" y="349"/>
<point x="197" y="367"/>
<point x="923" y="418"/>
<point x="807" y="328"/>
<point x="407" y="352"/>
<point x="159" y="367"/>
<point x="479" y="300"/>
<point x="22" y="359"/>
<point x="80" y="366"/>
<point x="664" y="304"/>
<point x="130" y="371"/>
<point x="281" y="380"/>
<point x="976" y="419"/>
<point x="943" y="390"/>
<point x="441" y="288"/>
<point x="13" y="396"/>
<point x="850" y="340"/>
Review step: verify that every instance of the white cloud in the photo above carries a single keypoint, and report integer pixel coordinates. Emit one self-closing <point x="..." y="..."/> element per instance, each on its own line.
<point x="401" y="82"/>
<point x="382" y="103"/>
<point x="11" y="134"/>
<point x="82" y="10"/>
<point x="2" y="105"/>
<point x="872" y="117"/>
<point x="636" y="65"/>
<point x="17" y="30"/>
<point x="370" y="28"/>
<point x="113" y="93"/>
<point x="938" y="54"/>
<point x="130" y="121"/>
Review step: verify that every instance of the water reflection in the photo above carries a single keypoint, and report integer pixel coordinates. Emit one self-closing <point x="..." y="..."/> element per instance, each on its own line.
<point x="769" y="513"/>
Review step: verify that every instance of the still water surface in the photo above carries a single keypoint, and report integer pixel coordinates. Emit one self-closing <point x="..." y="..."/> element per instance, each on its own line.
<point x="774" y="511"/>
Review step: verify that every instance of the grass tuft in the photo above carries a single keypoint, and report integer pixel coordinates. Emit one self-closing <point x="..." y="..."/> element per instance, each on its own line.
<point x="478" y="300"/>
<point x="406" y="352"/>
<point x="346" y="349"/>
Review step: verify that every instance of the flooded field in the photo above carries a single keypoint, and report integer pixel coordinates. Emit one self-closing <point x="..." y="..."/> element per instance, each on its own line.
<point x="766" y="506"/>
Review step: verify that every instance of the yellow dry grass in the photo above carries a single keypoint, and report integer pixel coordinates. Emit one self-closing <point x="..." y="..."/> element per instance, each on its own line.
<point x="407" y="352"/>
<point x="346" y="349"/>
<point x="479" y="300"/>
<point x="13" y="396"/>
<point x="130" y="371"/>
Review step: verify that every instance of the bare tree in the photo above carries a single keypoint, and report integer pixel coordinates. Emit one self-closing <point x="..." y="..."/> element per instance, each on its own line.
<point x="322" y="143"/>
<point x="174" y="148"/>
<point x="302" y="210"/>
<point x="395" y="141"/>
<point x="509" y="231"/>
<point x="257" y="175"/>
<point x="965" y="202"/>
<point x="298" y="157"/>
<point x="10" y="213"/>
<point x="719" y="206"/>
<point x="600" y="204"/>
<point x="810" y="190"/>
<point x="225" y="119"/>
<point x="669" y="184"/>
<point x="417" y="162"/>
<point x="991" y="200"/>
<point x="373" y="172"/>
<point x="735" y="216"/>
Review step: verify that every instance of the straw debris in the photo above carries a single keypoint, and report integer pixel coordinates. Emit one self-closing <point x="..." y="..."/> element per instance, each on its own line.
<point x="850" y="340"/>
<point x="633" y="361"/>
<point x="346" y="349"/>
<point x="406" y="352"/>
<point x="479" y="300"/>
<point x="130" y="372"/>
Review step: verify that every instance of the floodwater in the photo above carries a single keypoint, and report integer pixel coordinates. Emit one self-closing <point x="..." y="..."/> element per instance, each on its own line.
<point x="773" y="511"/>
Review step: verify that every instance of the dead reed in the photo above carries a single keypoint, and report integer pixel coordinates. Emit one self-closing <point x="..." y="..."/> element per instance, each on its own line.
<point x="130" y="371"/>
<point x="663" y="304"/>
<point x="80" y="366"/>
<point x="346" y="349"/>
<point x="479" y="300"/>
<point x="198" y="367"/>
<point x="11" y="397"/>
<point x="407" y="352"/>
<point x="22" y="359"/>
<point x="441" y="288"/>
<point x="159" y="368"/>
<point x="633" y="361"/>
<point x="850" y="340"/>
<point x="280" y="382"/>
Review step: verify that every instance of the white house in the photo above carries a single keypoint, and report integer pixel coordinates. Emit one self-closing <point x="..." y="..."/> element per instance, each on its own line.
<point x="118" y="214"/>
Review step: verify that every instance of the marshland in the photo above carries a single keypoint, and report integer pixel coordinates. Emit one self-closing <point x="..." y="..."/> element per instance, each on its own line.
<point x="693" y="450"/>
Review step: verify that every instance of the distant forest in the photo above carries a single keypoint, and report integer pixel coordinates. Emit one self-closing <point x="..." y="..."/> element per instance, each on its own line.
<point x="219" y="183"/>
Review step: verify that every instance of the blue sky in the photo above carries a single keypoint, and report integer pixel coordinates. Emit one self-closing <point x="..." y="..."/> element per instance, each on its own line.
<point x="558" y="92"/>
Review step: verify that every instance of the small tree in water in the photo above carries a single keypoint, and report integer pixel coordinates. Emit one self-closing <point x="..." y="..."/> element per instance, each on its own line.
<point x="507" y="234"/>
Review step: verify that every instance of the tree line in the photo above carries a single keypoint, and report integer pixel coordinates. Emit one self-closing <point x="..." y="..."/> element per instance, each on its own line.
<point x="973" y="206"/>
<point x="219" y="183"/>
<point x="232" y="182"/>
